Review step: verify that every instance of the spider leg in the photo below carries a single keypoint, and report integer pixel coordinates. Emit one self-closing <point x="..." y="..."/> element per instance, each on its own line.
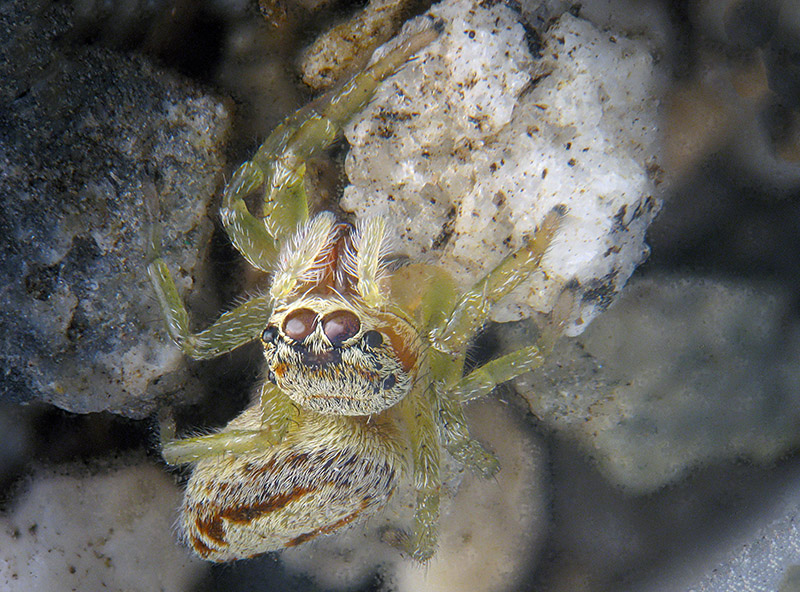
<point x="481" y="381"/>
<point x="277" y="412"/>
<point x="277" y="170"/>
<point x="186" y="450"/>
<point x="457" y="440"/>
<point x="418" y="413"/>
<point x="472" y="309"/>
<point x="233" y="329"/>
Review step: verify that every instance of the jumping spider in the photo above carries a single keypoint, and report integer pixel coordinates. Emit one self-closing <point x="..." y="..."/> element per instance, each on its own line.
<point x="364" y="362"/>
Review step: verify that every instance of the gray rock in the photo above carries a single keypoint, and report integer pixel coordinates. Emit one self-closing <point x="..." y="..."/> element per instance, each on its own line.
<point x="85" y="134"/>
<point x="681" y="373"/>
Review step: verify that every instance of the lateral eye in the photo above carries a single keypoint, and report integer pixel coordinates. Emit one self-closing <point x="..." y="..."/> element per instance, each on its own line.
<point x="299" y="323"/>
<point x="340" y="326"/>
<point x="373" y="339"/>
<point x="269" y="334"/>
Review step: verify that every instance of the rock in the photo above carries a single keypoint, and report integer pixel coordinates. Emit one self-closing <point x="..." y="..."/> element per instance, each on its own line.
<point x="680" y="373"/>
<point x="759" y="553"/>
<point x="468" y="147"/>
<point x="85" y="135"/>
<point x="108" y="529"/>
<point x="346" y="46"/>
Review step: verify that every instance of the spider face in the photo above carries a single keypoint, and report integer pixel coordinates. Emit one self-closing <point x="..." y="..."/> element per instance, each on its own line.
<point x="334" y="356"/>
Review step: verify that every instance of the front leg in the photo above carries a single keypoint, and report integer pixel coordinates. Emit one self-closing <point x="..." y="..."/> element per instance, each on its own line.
<point x="276" y="173"/>
<point x="197" y="448"/>
<point x="278" y="412"/>
<point x="233" y="329"/>
<point x="473" y="308"/>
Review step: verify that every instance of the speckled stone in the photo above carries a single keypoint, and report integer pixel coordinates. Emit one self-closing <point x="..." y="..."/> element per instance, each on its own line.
<point x="468" y="147"/>
<point x="85" y="136"/>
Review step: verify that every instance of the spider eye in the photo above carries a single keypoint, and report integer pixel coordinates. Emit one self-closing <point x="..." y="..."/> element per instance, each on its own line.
<point x="373" y="339"/>
<point x="299" y="323"/>
<point x="340" y="326"/>
<point x="269" y="334"/>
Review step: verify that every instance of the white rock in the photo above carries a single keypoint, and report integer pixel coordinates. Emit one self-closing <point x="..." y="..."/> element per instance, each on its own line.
<point x="107" y="531"/>
<point x="467" y="148"/>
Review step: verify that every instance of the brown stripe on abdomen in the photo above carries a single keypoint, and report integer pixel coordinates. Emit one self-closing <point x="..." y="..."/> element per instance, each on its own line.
<point x="244" y="514"/>
<point x="299" y="540"/>
<point x="211" y="528"/>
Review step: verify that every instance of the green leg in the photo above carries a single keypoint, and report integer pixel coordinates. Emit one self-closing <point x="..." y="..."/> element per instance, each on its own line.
<point x="277" y="412"/>
<point x="455" y="434"/>
<point x="234" y="328"/>
<point x="481" y="381"/>
<point x="277" y="171"/>
<point x="187" y="450"/>
<point x="418" y="413"/>
<point x="472" y="309"/>
<point x="249" y="234"/>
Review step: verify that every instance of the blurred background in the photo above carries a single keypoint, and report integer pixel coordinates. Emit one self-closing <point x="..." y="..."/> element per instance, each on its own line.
<point x="667" y="434"/>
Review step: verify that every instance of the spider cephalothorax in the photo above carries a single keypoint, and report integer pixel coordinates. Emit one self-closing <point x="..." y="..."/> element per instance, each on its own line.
<point x="334" y="355"/>
<point x="365" y="363"/>
<point x="334" y="343"/>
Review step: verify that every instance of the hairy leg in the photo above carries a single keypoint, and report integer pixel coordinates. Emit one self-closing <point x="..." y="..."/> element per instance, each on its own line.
<point x="472" y="309"/>
<point x="457" y="440"/>
<point x="234" y="328"/>
<point x="197" y="448"/>
<point x="277" y="170"/>
<point x="418" y="412"/>
<point x="277" y="412"/>
<point x="481" y="381"/>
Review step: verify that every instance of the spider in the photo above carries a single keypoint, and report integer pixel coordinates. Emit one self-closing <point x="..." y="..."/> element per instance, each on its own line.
<point x="365" y="358"/>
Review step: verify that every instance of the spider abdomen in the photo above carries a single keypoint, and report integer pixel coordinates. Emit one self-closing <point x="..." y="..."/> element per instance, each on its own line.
<point x="318" y="480"/>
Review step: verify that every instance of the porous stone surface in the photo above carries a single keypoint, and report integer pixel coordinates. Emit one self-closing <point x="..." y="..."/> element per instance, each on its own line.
<point x="105" y="529"/>
<point x="468" y="147"/>
<point x="499" y="522"/>
<point x="681" y="373"/>
<point x="86" y="136"/>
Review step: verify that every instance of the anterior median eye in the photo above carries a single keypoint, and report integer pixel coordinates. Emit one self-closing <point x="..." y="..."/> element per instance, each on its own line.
<point x="299" y="323"/>
<point x="340" y="326"/>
